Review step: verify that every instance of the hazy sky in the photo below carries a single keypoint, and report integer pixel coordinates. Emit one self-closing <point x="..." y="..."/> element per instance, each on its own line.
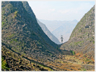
<point x="60" y="10"/>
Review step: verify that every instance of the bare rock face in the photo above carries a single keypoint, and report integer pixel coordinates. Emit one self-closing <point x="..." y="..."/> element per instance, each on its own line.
<point x="82" y="37"/>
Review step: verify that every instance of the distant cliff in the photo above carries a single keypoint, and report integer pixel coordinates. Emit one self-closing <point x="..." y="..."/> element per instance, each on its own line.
<point x="48" y="33"/>
<point x="58" y="28"/>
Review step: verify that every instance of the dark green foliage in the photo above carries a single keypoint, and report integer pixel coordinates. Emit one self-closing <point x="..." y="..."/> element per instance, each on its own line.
<point x="33" y="34"/>
<point x="73" y="53"/>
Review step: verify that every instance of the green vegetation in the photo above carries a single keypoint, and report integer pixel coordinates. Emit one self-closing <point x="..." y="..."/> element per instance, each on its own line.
<point x="73" y="53"/>
<point x="76" y="43"/>
<point x="10" y="36"/>
<point x="79" y="42"/>
<point x="47" y="68"/>
<point x="93" y="41"/>
<point x="15" y="40"/>
<point x="80" y="30"/>
<point x="88" y="59"/>
<point x="83" y="69"/>
<point x="38" y="43"/>
<point x="15" y="14"/>
<point x="3" y="23"/>
<point x="4" y="64"/>
<point x="50" y="54"/>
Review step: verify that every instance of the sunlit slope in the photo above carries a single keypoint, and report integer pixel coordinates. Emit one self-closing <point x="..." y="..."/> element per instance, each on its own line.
<point x="82" y="38"/>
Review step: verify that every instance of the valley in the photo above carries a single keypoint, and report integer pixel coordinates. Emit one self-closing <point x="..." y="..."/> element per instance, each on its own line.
<point x="58" y="28"/>
<point x="27" y="44"/>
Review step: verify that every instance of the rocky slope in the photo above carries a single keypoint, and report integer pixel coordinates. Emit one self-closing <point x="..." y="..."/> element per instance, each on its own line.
<point x="22" y="33"/>
<point x="82" y="38"/>
<point x="12" y="61"/>
<point x="43" y="27"/>
<point x="48" y="33"/>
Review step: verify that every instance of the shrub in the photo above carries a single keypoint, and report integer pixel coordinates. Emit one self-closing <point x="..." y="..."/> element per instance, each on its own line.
<point x="88" y="59"/>
<point x="93" y="41"/>
<point x="38" y="43"/>
<point x="3" y="23"/>
<point x="15" y="14"/>
<point x="4" y="64"/>
<point x="84" y="69"/>
<point x="10" y="36"/>
<point x="73" y="53"/>
<point x="15" y="40"/>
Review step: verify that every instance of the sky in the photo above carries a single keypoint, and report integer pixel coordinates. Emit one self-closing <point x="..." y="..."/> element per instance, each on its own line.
<point x="60" y="10"/>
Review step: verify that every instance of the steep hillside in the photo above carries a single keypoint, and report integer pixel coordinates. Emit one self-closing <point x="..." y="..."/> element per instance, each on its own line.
<point x="48" y="33"/>
<point x="21" y="32"/>
<point x="13" y="61"/>
<point x="82" y="38"/>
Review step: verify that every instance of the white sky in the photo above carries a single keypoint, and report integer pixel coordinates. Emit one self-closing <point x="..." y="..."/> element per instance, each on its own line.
<point x="60" y="10"/>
